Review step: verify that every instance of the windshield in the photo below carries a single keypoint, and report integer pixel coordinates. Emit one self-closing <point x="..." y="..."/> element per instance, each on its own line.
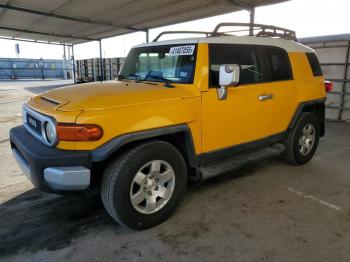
<point x="167" y="63"/>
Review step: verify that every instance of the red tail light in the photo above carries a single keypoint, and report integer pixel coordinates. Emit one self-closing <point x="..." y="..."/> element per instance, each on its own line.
<point x="328" y="85"/>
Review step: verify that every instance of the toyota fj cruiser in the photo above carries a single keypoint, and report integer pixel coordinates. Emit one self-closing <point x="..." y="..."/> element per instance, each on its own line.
<point x="180" y="109"/>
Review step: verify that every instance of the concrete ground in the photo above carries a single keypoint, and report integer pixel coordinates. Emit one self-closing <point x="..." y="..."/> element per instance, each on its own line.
<point x="268" y="212"/>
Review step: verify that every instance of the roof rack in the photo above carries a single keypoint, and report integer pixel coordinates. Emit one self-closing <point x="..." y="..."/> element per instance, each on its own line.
<point x="258" y="30"/>
<point x="181" y="32"/>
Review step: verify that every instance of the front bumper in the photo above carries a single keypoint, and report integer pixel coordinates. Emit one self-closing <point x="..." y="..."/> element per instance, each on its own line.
<point x="50" y="169"/>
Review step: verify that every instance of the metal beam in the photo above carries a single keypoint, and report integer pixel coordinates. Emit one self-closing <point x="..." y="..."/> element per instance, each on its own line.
<point x="65" y="17"/>
<point x="242" y="4"/>
<point x="33" y="41"/>
<point x="46" y="33"/>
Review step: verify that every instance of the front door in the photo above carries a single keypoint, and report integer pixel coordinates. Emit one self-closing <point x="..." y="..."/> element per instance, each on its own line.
<point x="240" y="118"/>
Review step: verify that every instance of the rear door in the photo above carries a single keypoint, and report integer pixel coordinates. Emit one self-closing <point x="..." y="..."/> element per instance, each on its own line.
<point x="279" y="90"/>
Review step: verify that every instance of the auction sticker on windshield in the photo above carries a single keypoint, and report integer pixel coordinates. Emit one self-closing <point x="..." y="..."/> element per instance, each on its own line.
<point x="182" y="50"/>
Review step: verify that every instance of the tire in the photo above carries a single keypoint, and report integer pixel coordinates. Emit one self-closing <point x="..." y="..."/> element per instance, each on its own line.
<point x="295" y="154"/>
<point x="120" y="184"/>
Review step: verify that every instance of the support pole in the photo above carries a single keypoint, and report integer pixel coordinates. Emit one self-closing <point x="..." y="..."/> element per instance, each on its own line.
<point x="346" y="66"/>
<point x="64" y="63"/>
<point x="147" y="35"/>
<point x="147" y="41"/>
<point x="73" y="60"/>
<point x="101" y="62"/>
<point x="252" y="21"/>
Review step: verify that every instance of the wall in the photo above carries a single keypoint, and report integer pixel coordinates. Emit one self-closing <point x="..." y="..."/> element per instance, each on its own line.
<point x="89" y="69"/>
<point x="18" y="68"/>
<point x="333" y="53"/>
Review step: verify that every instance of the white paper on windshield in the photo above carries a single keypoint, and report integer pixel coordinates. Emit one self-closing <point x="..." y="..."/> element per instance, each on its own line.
<point x="182" y="50"/>
<point x="183" y="74"/>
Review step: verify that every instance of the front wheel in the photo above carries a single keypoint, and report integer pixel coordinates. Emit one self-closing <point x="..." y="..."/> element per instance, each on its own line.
<point x="141" y="188"/>
<point x="302" y="141"/>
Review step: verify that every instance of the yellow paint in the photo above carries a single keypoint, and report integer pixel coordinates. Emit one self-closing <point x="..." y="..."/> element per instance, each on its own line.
<point x="124" y="107"/>
<point x="243" y="118"/>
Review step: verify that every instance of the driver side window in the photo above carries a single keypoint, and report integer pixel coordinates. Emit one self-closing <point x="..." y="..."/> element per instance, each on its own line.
<point x="243" y="55"/>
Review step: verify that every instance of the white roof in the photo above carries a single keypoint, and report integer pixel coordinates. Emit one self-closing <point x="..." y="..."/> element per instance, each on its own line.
<point x="78" y="21"/>
<point x="288" y="45"/>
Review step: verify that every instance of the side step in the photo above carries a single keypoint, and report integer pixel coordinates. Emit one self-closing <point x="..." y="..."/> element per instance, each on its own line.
<point x="211" y="170"/>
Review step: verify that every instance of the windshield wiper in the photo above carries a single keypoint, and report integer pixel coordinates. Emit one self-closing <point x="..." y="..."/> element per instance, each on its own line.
<point x="167" y="81"/>
<point x="136" y="76"/>
<point x="121" y="77"/>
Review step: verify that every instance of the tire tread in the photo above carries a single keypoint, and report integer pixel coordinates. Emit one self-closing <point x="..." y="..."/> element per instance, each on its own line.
<point x="113" y="171"/>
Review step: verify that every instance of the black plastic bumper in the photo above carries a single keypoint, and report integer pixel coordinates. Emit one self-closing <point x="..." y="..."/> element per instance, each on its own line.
<point x="39" y="156"/>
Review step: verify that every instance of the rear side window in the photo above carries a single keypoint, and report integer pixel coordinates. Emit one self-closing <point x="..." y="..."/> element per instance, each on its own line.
<point x="243" y="55"/>
<point x="279" y="64"/>
<point x="315" y="65"/>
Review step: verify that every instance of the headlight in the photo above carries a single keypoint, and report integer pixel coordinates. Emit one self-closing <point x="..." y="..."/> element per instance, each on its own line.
<point x="50" y="132"/>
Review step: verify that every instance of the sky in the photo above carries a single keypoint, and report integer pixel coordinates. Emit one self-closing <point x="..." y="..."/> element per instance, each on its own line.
<point x="306" y="17"/>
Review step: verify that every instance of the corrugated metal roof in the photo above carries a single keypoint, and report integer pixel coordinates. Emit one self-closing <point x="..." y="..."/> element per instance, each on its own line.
<point x="325" y="38"/>
<point x="79" y="21"/>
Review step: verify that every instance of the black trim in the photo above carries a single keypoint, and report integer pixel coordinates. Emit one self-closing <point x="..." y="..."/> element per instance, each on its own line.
<point x="305" y="107"/>
<point x="237" y="149"/>
<point x="39" y="156"/>
<point x="266" y="51"/>
<point x="262" y="56"/>
<point x="106" y="150"/>
<point x="314" y="64"/>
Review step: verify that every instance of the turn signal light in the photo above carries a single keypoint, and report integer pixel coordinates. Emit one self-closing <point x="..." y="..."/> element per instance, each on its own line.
<point x="75" y="132"/>
<point x="328" y="85"/>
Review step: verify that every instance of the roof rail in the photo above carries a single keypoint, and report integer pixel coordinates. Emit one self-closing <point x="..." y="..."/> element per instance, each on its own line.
<point x="258" y="30"/>
<point x="181" y="32"/>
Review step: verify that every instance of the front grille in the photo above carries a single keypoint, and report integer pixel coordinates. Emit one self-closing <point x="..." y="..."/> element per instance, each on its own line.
<point x="34" y="124"/>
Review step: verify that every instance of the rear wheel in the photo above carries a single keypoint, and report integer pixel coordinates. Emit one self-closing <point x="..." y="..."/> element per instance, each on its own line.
<point x="141" y="188"/>
<point x="302" y="141"/>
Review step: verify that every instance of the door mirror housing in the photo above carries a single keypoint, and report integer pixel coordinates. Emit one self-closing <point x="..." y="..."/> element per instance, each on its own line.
<point x="228" y="76"/>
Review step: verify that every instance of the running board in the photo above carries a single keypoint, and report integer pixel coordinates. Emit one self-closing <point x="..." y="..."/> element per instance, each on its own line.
<point x="241" y="160"/>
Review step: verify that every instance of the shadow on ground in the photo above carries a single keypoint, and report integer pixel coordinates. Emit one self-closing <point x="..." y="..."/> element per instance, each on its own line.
<point x="36" y="221"/>
<point x="33" y="220"/>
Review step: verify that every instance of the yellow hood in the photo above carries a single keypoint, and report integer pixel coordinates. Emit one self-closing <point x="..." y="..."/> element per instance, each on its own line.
<point x="107" y="95"/>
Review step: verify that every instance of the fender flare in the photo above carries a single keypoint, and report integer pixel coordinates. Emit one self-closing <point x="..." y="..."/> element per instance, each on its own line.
<point x="107" y="149"/>
<point x="302" y="108"/>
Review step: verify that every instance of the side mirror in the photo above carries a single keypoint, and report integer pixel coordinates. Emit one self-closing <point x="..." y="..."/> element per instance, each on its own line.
<point x="229" y="76"/>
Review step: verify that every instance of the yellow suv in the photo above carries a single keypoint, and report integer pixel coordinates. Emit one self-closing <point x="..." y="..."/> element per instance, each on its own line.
<point x="180" y="109"/>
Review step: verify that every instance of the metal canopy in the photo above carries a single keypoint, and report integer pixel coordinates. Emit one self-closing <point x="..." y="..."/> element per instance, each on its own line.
<point x="79" y="21"/>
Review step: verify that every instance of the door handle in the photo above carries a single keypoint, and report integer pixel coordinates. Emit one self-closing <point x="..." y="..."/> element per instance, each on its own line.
<point x="265" y="97"/>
